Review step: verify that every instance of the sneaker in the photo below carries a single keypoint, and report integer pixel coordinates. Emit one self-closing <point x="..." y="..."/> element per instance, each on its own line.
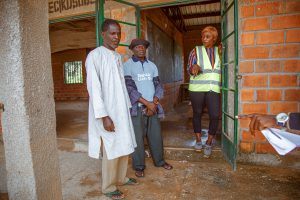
<point x="207" y="150"/>
<point x="213" y="142"/>
<point x="198" y="146"/>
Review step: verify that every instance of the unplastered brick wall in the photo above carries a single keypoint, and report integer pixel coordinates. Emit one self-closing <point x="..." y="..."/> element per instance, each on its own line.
<point x="171" y="90"/>
<point x="269" y="63"/>
<point x="64" y="91"/>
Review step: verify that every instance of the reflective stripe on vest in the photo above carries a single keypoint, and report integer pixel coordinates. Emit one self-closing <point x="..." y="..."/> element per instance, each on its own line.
<point x="209" y="79"/>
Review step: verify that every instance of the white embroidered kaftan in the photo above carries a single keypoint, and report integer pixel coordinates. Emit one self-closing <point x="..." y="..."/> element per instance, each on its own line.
<point x="108" y="97"/>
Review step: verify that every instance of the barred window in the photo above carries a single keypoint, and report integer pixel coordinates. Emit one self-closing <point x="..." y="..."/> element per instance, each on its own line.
<point x="73" y="72"/>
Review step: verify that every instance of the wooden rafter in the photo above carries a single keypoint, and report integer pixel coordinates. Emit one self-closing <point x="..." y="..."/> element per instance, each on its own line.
<point x="200" y="15"/>
<point x="175" y="15"/>
<point x="202" y="3"/>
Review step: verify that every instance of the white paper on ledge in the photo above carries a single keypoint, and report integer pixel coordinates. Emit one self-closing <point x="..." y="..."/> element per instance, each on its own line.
<point x="283" y="145"/>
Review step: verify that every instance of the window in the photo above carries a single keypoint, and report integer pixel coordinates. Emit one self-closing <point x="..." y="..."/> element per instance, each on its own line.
<point x="73" y="72"/>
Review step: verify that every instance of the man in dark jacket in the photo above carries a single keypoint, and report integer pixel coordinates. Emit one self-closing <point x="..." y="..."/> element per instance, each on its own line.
<point x="145" y="91"/>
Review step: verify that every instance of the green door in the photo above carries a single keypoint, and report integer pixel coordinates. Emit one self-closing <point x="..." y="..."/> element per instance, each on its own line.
<point x="100" y="9"/>
<point x="229" y="24"/>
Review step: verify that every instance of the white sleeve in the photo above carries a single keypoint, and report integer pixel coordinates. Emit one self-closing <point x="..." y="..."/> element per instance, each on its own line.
<point x="94" y="87"/>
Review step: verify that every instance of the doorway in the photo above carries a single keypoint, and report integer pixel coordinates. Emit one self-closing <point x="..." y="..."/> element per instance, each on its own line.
<point x="188" y="18"/>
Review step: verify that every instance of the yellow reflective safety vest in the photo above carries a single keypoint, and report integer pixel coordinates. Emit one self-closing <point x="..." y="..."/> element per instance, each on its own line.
<point x="210" y="78"/>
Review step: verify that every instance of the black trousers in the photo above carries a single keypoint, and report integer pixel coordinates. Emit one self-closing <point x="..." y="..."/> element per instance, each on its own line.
<point x="150" y="127"/>
<point x="212" y="101"/>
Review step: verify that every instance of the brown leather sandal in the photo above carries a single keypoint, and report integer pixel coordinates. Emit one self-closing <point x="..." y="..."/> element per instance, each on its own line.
<point x="117" y="194"/>
<point x="167" y="166"/>
<point x="139" y="173"/>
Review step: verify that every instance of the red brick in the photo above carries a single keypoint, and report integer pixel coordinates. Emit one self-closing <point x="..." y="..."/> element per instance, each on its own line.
<point x="121" y="50"/>
<point x="283" y="80"/>
<point x="270" y="37"/>
<point x="270" y="8"/>
<point x="244" y="123"/>
<point x="268" y="95"/>
<point x="278" y="107"/>
<point x="264" y="148"/>
<point x="123" y="37"/>
<point x="292" y="6"/>
<point x="248" y="1"/>
<point x="256" y="52"/>
<point x="255" y="81"/>
<point x="291" y="66"/>
<point x="249" y="108"/>
<point x="247" y="11"/>
<point x="290" y="21"/>
<point x="293" y="36"/>
<point x="246" y="147"/>
<point x="292" y="95"/>
<point x="246" y="67"/>
<point x="247" y="95"/>
<point x="259" y="137"/>
<point x="117" y="14"/>
<point x="256" y="24"/>
<point x="247" y="39"/>
<point x="285" y="51"/>
<point x="247" y="137"/>
<point x="63" y="91"/>
<point x="267" y="66"/>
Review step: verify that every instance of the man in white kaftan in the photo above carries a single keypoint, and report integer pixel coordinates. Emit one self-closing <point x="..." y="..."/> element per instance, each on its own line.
<point x="108" y="99"/>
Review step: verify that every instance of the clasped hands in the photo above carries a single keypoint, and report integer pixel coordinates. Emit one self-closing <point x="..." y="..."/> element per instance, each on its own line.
<point x="151" y="107"/>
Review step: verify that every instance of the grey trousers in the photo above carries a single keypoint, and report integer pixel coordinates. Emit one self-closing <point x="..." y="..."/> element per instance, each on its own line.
<point x="150" y="127"/>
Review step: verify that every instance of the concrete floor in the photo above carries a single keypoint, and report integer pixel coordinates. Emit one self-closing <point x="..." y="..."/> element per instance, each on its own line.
<point x="177" y="129"/>
<point x="81" y="175"/>
<point x="205" y="179"/>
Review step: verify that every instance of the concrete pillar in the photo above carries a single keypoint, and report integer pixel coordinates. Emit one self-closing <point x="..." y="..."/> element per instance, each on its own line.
<point x="26" y="89"/>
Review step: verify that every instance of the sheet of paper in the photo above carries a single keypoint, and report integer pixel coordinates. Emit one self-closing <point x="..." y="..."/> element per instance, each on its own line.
<point x="282" y="141"/>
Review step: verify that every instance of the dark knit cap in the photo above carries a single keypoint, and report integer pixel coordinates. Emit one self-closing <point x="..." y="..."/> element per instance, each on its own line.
<point x="136" y="42"/>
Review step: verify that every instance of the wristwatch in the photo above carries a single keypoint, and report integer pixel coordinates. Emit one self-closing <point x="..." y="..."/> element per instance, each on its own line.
<point x="281" y="119"/>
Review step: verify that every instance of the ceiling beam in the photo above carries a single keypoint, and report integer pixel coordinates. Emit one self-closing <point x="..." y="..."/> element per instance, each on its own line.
<point x="203" y="3"/>
<point x="181" y="19"/>
<point x="167" y="11"/>
<point x="200" y="15"/>
<point x="200" y="27"/>
<point x="196" y="3"/>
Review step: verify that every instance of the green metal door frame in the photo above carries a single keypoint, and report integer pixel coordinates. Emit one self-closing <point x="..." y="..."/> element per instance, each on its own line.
<point x="229" y="143"/>
<point x="100" y="19"/>
<point x="99" y="15"/>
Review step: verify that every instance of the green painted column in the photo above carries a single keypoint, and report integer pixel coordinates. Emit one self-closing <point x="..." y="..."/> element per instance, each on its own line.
<point x="99" y="21"/>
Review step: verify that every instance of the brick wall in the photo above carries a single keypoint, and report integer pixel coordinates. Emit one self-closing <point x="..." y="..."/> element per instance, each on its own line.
<point x="171" y="90"/>
<point x="64" y="91"/>
<point x="269" y="63"/>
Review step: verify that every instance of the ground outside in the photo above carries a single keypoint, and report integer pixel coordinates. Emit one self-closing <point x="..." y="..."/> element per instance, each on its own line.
<point x="80" y="176"/>
<point x="193" y="177"/>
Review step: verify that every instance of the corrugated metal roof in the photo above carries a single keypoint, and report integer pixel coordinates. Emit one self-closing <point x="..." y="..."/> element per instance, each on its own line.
<point x="187" y="17"/>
